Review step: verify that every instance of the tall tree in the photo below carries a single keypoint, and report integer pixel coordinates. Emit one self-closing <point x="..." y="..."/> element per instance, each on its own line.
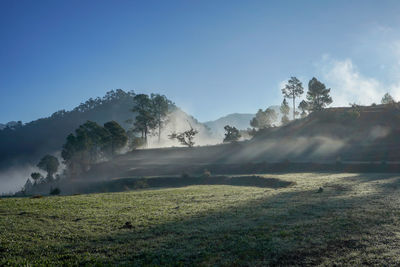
<point x="145" y="119"/>
<point x="387" y="99"/>
<point x="293" y="89"/>
<point x="160" y="106"/>
<point x="303" y="106"/>
<point x="49" y="164"/>
<point x="285" y="109"/>
<point x="232" y="134"/>
<point x="117" y="138"/>
<point x="318" y="95"/>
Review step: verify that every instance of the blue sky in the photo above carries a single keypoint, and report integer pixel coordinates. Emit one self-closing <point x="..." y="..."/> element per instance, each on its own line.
<point x="210" y="57"/>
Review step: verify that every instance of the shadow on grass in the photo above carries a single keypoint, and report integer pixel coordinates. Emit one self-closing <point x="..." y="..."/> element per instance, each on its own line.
<point x="124" y="184"/>
<point x="286" y="229"/>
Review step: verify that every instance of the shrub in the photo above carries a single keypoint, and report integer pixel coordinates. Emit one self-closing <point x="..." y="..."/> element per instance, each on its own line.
<point x="55" y="191"/>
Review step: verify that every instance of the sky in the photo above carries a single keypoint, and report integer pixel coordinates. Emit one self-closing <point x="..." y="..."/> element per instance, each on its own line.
<point x="211" y="58"/>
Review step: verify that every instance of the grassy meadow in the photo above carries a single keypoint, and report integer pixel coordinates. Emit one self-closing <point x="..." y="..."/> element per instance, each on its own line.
<point x="354" y="219"/>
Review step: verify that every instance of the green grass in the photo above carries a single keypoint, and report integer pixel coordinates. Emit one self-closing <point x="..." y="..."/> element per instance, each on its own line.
<point x="355" y="220"/>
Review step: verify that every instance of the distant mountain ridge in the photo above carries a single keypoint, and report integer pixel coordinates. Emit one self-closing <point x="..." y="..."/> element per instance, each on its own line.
<point x="239" y="120"/>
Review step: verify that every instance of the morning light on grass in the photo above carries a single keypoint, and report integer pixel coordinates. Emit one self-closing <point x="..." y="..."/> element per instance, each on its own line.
<point x="199" y="133"/>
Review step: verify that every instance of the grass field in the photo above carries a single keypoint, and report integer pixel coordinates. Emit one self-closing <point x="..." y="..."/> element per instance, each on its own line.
<point x="355" y="220"/>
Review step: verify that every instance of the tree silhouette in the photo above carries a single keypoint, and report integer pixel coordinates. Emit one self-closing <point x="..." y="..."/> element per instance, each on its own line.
<point x="117" y="138"/>
<point x="160" y="107"/>
<point x="145" y="118"/>
<point x="231" y="134"/>
<point x="186" y="137"/>
<point x="49" y="164"/>
<point x="318" y="95"/>
<point x="303" y="106"/>
<point x="285" y="109"/>
<point x="293" y="89"/>
<point x="387" y="99"/>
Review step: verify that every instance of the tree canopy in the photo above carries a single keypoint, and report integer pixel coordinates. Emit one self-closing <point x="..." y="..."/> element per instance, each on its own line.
<point x="293" y="89"/>
<point x="285" y="109"/>
<point x="186" y="138"/>
<point x="49" y="164"/>
<point x="318" y="95"/>
<point x="263" y="119"/>
<point x="387" y="99"/>
<point x="232" y="134"/>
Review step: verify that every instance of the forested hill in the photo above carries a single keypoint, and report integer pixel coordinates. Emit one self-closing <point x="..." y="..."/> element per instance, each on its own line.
<point x="26" y="143"/>
<point x="32" y="140"/>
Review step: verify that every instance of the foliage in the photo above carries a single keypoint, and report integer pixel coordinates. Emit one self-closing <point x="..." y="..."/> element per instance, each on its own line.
<point x="185" y="138"/>
<point x="49" y="164"/>
<point x="318" y="95"/>
<point x="117" y="137"/>
<point x="145" y="120"/>
<point x="46" y="135"/>
<point x="387" y="99"/>
<point x="160" y="108"/>
<point x="232" y="134"/>
<point x="90" y="144"/>
<point x="285" y="111"/>
<point x="303" y="106"/>
<point x="263" y="119"/>
<point x="293" y="89"/>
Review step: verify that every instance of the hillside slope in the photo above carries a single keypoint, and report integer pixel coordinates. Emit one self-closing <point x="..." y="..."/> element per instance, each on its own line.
<point x="369" y="134"/>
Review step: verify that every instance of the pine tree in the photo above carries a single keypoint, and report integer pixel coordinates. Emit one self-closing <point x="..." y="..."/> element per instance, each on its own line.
<point x="318" y="95"/>
<point x="293" y="89"/>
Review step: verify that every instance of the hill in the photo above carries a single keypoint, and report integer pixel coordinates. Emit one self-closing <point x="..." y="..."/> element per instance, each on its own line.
<point x="239" y="120"/>
<point x="22" y="145"/>
<point x="363" y="135"/>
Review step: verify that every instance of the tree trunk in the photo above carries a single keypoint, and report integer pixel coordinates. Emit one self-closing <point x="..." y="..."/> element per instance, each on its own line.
<point x="294" y="107"/>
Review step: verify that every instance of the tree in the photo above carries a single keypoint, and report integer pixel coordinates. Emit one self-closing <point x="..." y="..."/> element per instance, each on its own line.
<point x="92" y="138"/>
<point x="145" y="119"/>
<point x="293" y="89"/>
<point x="160" y="107"/>
<point x="303" y="106"/>
<point x="232" y="134"/>
<point x="35" y="177"/>
<point x="318" y="95"/>
<point x="117" y="138"/>
<point x="263" y="119"/>
<point x="186" y="137"/>
<point x="49" y="164"/>
<point x="387" y="99"/>
<point x="87" y="146"/>
<point x="285" y="109"/>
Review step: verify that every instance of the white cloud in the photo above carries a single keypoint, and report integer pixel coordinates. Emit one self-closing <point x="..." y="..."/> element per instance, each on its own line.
<point x="348" y="84"/>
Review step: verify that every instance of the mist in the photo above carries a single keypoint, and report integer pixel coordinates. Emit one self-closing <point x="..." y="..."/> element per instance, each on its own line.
<point x="14" y="178"/>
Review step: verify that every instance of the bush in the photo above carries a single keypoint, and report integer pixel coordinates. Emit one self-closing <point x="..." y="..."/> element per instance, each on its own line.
<point x="55" y="191"/>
